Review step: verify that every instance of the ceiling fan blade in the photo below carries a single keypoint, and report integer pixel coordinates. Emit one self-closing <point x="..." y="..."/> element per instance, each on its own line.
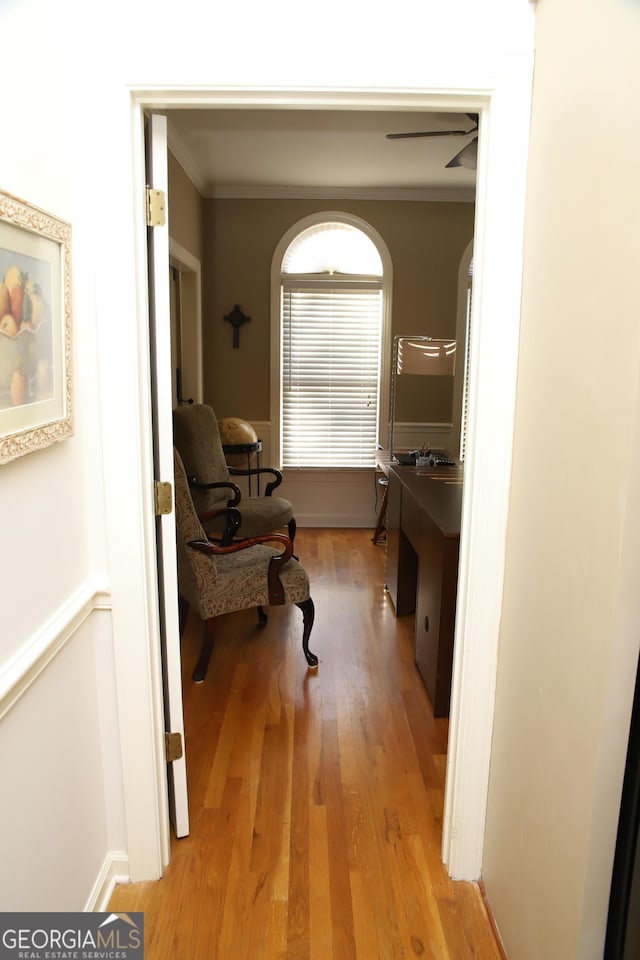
<point x="428" y="133"/>
<point x="468" y="156"/>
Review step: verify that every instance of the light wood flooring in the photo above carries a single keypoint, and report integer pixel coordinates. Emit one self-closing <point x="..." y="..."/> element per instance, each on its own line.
<point x="315" y="796"/>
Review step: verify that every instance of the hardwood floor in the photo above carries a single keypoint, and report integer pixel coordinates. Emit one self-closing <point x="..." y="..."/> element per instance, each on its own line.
<point x="315" y="796"/>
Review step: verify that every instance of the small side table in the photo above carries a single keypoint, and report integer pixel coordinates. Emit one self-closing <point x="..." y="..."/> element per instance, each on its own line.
<point x="249" y="449"/>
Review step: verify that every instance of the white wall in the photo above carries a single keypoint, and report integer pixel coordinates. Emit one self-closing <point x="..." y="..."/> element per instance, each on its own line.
<point x="81" y="160"/>
<point x="571" y="622"/>
<point x="61" y="798"/>
<point x="61" y="765"/>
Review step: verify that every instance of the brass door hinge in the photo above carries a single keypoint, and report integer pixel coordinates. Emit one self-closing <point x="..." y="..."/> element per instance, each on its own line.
<point x="173" y="746"/>
<point x="156" y="211"/>
<point x="162" y="498"/>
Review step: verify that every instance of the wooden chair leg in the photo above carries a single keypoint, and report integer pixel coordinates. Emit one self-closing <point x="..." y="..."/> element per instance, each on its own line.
<point x="291" y="528"/>
<point x="206" y="649"/>
<point x="183" y="610"/>
<point x="308" y="614"/>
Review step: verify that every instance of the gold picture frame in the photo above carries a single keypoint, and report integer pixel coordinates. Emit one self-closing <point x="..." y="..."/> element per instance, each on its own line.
<point x="35" y="329"/>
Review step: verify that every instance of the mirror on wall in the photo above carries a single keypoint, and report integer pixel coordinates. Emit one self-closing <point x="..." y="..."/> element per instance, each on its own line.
<point x="422" y="376"/>
<point x="429" y="389"/>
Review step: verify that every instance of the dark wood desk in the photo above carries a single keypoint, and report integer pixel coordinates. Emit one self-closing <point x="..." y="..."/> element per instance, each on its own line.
<point x="423" y="536"/>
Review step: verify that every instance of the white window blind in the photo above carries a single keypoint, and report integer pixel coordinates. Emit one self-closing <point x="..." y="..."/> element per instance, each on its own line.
<point x="330" y="373"/>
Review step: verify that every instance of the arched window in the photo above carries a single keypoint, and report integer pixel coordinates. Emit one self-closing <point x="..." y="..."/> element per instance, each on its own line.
<point x="331" y="325"/>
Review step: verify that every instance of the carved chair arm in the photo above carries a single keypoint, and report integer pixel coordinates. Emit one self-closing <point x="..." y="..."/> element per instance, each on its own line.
<point x="219" y="485"/>
<point x="234" y="518"/>
<point x="276" y="590"/>
<point x="255" y="471"/>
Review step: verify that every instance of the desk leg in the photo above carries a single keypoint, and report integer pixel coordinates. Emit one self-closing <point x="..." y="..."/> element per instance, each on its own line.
<point x="380" y="526"/>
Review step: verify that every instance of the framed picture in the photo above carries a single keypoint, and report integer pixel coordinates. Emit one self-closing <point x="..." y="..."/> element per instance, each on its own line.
<point x="35" y="329"/>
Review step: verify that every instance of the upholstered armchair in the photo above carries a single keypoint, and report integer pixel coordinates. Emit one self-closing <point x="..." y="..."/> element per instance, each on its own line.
<point x="197" y="439"/>
<point x="215" y="579"/>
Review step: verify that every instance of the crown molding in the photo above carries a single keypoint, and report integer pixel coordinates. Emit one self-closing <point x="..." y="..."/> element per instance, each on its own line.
<point x="422" y="194"/>
<point x="184" y="158"/>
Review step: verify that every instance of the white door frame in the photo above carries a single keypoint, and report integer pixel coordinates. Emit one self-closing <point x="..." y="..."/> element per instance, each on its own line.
<point x="191" y="328"/>
<point x="502" y="96"/>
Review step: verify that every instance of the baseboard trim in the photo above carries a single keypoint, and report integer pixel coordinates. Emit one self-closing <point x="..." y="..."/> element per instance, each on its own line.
<point x="335" y="523"/>
<point x="34" y="656"/>
<point x="114" y="870"/>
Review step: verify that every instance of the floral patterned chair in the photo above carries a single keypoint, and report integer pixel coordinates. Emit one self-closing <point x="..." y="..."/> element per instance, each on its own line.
<point x="197" y="438"/>
<point x="214" y="579"/>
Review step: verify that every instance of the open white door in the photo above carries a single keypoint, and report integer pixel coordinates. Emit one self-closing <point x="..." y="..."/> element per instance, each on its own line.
<point x="160" y="344"/>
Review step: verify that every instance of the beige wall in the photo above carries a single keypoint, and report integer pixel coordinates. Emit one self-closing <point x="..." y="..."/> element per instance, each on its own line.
<point x="425" y="241"/>
<point x="185" y="206"/>
<point x="569" y="637"/>
<point x="184" y="210"/>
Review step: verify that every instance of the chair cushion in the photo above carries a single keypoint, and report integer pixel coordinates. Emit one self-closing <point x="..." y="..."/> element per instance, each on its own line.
<point x="242" y="580"/>
<point x="260" y="515"/>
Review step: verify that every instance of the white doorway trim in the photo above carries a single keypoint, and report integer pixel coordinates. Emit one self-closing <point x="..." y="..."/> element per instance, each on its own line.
<point x="191" y="325"/>
<point x="502" y="97"/>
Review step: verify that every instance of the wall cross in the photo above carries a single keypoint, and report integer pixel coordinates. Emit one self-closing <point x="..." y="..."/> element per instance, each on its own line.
<point x="236" y="318"/>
